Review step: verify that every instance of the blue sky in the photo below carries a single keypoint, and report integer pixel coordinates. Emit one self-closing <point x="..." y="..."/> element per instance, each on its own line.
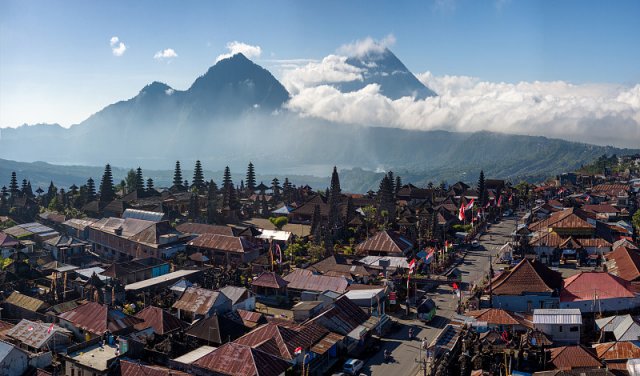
<point x="57" y="64"/>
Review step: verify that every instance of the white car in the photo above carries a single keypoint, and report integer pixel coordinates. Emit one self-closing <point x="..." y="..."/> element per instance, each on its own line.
<point x="475" y="244"/>
<point x="352" y="366"/>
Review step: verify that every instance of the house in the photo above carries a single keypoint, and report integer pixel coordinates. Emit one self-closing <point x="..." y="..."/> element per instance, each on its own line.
<point x="225" y="250"/>
<point x="90" y="358"/>
<point x="603" y="212"/>
<point x="619" y="327"/>
<point x="498" y="319"/>
<point x="215" y="329"/>
<point x="18" y="305"/>
<point x="573" y="357"/>
<point x="13" y="361"/>
<point x="235" y="359"/>
<point x="136" y="270"/>
<point x="160" y="320"/>
<point x="624" y="262"/>
<point x="196" y="303"/>
<point x="598" y="292"/>
<point x="129" y="238"/>
<point x="78" y="228"/>
<point x="270" y="286"/>
<point x="241" y="298"/>
<point x="385" y="243"/>
<point x="303" y="311"/>
<point x="304" y="280"/>
<point x="527" y="286"/>
<point x="8" y="245"/>
<point x="562" y="325"/>
<point x="93" y="319"/>
<point x="251" y="319"/>
<point x="63" y="247"/>
<point x="38" y="336"/>
<point x="338" y="265"/>
<point x="615" y="354"/>
<point x="184" y="361"/>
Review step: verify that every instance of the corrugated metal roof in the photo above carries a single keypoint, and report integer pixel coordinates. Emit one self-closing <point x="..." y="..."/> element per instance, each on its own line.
<point x="98" y="318"/>
<point x="23" y="301"/>
<point x="160" y="320"/>
<point x="199" y="300"/>
<point x="557" y="316"/>
<point x="131" y="368"/>
<point x="570" y="357"/>
<point x="239" y="360"/>
<point x="34" y="334"/>
<point x="223" y="243"/>
<point x="628" y="329"/>
<point x="305" y="280"/>
<point x="590" y="285"/>
<point x="385" y="241"/>
<point x="143" y="214"/>
<point x="269" y="279"/>
<point x="326" y="343"/>
<point x="620" y="350"/>
<point x="161" y="279"/>
<point x="494" y="316"/>
<point x="194" y="355"/>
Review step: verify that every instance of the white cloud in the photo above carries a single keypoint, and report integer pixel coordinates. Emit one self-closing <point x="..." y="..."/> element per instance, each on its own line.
<point x="117" y="47"/>
<point x="332" y="69"/>
<point x="361" y="47"/>
<point x="236" y="47"/>
<point x="167" y="53"/>
<point x="602" y="114"/>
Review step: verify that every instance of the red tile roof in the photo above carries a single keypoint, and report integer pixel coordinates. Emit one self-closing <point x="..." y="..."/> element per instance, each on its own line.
<point x="527" y="277"/>
<point x="162" y="321"/>
<point x="241" y="360"/>
<point x="587" y="285"/>
<point x="570" y="357"/>
<point x="98" y="318"/>
<point x="287" y="336"/>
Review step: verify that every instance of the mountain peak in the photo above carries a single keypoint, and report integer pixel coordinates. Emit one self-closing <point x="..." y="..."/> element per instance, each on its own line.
<point x="156" y="88"/>
<point x="383" y="67"/>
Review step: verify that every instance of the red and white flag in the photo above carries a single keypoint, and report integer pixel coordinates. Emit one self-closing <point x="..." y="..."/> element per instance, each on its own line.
<point x="469" y="205"/>
<point x="500" y="201"/>
<point x="429" y="256"/>
<point x="412" y="266"/>
<point x="461" y="212"/>
<point x="298" y="350"/>
<point x="50" y="328"/>
<point x="510" y="198"/>
<point x="30" y="328"/>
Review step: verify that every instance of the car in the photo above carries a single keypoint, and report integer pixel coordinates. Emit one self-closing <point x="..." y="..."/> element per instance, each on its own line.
<point x="475" y="244"/>
<point x="352" y="366"/>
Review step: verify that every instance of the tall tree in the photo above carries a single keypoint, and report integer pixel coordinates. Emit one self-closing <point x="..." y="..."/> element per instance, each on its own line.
<point x="251" y="178"/>
<point x="107" y="190"/>
<point x="482" y="190"/>
<point x="335" y="195"/>
<point x="177" y="176"/>
<point x="91" y="190"/>
<point x="13" y="185"/>
<point x="131" y="181"/>
<point x="139" y="180"/>
<point x="198" y="176"/>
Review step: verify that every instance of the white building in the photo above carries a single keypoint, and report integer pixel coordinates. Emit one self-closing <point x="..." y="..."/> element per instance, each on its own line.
<point x="562" y="325"/>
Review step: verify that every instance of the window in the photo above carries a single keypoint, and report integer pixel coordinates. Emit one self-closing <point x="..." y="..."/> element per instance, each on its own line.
<point x="574" y="329"/>
<point x="560" y="328"/>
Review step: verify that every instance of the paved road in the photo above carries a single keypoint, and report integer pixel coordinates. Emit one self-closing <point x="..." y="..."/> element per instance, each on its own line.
<point x="474" y="268"/>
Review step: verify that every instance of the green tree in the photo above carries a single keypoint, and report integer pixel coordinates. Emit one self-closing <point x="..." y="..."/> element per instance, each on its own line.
<point x="177" y="176"/>
<point x="131" y="181"/>
<point x="198" y="176"/>
<point x="107" y="190"/>
<point x="279" y="222"/>
<point x="251" y="178"/>
<point x="316" y="251"/>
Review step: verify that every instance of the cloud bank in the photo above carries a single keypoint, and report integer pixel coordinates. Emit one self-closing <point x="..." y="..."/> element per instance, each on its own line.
<point x="236" y="47"/>
<point x="117" y="47"/>
<point x="605" y="114"/>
